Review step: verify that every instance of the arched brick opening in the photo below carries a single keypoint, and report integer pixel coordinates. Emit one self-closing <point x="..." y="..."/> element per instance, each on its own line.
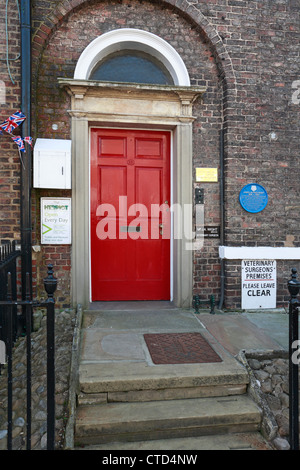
<point x="182" y="7"/>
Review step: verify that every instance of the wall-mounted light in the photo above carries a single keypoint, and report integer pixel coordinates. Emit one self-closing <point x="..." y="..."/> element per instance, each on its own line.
<point x="54" y="127"/>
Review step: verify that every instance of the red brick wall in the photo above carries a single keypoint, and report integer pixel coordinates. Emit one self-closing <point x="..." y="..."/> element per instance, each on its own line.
<point x="9" y="102"/>
<point x="245" y="52"/>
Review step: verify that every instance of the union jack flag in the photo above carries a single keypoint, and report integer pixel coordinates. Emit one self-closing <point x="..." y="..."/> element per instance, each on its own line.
<point x="19" y="141"/>
<point x="13" y="121"/>
<point x="29" y="140"/>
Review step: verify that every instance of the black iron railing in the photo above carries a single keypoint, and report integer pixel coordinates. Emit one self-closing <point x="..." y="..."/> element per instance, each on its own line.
<point x="197" y="303"/>
<point x="9" y="255"/>
<point x="9" y="308"/>
<point x="294" y="305"/>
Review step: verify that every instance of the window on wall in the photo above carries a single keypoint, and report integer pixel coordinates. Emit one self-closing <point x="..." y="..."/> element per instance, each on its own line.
<point x="131" y="67"/>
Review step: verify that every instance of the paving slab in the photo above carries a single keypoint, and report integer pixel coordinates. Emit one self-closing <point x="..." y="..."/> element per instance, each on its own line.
<point x="237" y="332"/>
<point x="273" y="324"/>
<point x="240" y="441"/>
<point x="148" y="319"/>
<point x="103" y="346"/>
<point x="255" y="330"/>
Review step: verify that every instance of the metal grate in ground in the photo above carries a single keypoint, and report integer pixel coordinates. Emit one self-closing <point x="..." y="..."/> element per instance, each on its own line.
<point x="180" y="348"/>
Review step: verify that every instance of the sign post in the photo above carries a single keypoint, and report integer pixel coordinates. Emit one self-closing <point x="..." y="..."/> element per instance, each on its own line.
<point x="258" y="284"/>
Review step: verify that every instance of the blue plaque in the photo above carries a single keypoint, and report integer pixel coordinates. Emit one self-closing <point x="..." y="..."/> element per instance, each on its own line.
<point x="253" y="198"/>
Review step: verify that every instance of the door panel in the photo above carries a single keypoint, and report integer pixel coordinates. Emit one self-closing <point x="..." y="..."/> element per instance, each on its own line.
<point x="112" y="180"/>
<point x="130" y="194"/>
<point x="110" y="147"/>
<point x="148" y="186"/>
<point x="148" y="148"/>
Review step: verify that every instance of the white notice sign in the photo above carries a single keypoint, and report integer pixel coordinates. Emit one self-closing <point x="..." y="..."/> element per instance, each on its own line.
<point x="258" y="284"/>
<point x="56" y="221"/>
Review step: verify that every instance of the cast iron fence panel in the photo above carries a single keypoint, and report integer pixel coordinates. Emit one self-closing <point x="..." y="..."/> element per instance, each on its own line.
<point x="9" y="255"/>
<point x="8" y="318"/>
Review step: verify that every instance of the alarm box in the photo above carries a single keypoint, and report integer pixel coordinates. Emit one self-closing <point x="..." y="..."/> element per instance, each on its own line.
<point x="52" y="164"/>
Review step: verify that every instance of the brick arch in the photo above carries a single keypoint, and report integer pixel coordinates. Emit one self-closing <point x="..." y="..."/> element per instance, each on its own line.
<point x="183" y="7"/>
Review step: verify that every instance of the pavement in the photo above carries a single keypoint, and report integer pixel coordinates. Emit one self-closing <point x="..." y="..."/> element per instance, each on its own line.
<point x="261" y="330"/>
<point x="121" y="324"/>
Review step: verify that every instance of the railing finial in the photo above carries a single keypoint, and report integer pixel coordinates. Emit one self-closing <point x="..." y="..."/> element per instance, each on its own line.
<point x="50" y="282"/>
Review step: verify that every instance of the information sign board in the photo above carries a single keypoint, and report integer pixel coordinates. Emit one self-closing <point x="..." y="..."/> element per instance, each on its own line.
<point x="56" y="221"/>
<point x="258" y="284"/>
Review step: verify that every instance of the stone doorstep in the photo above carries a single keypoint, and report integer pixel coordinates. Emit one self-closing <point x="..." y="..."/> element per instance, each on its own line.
<point x="132" y="399"/>
<point x="141" y="402"/>
<point x="232" y="441"/>
<point x="164" y="394"/>
<point x="102" y="383"/>
<point x="165" y="419"/>
<point x="114" y="377"/>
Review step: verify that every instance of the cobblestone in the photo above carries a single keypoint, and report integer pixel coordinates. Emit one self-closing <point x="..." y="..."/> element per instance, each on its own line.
<point x="64" y="328"/>
<point x="269" y="386"/>
<point x="273" y="384"/>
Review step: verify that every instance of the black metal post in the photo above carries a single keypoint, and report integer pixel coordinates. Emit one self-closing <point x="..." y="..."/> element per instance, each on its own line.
<point x="212" y="305"/>
<point x="222" y="214"/>
<point x="294" y="287"/>
<point x="196" y="303"/>
<point x="50" y="283"/>
<point x="9" y="364"/>
<point x="28" y="312"/>
<point x="26" y="229"/>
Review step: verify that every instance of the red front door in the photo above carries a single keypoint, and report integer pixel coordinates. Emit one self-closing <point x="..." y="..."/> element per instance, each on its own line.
<point x="130" y="227"/>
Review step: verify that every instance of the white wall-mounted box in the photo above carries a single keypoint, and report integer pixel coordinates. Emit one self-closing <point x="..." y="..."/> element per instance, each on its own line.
<point x="52" y="164"/>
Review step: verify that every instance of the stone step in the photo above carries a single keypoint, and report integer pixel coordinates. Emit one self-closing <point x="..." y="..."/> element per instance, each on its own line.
<point x="234" y="441"/>
<point x="114" y="378"/>
<point x="164" y="394"/>
<point x="165" y="419"/>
